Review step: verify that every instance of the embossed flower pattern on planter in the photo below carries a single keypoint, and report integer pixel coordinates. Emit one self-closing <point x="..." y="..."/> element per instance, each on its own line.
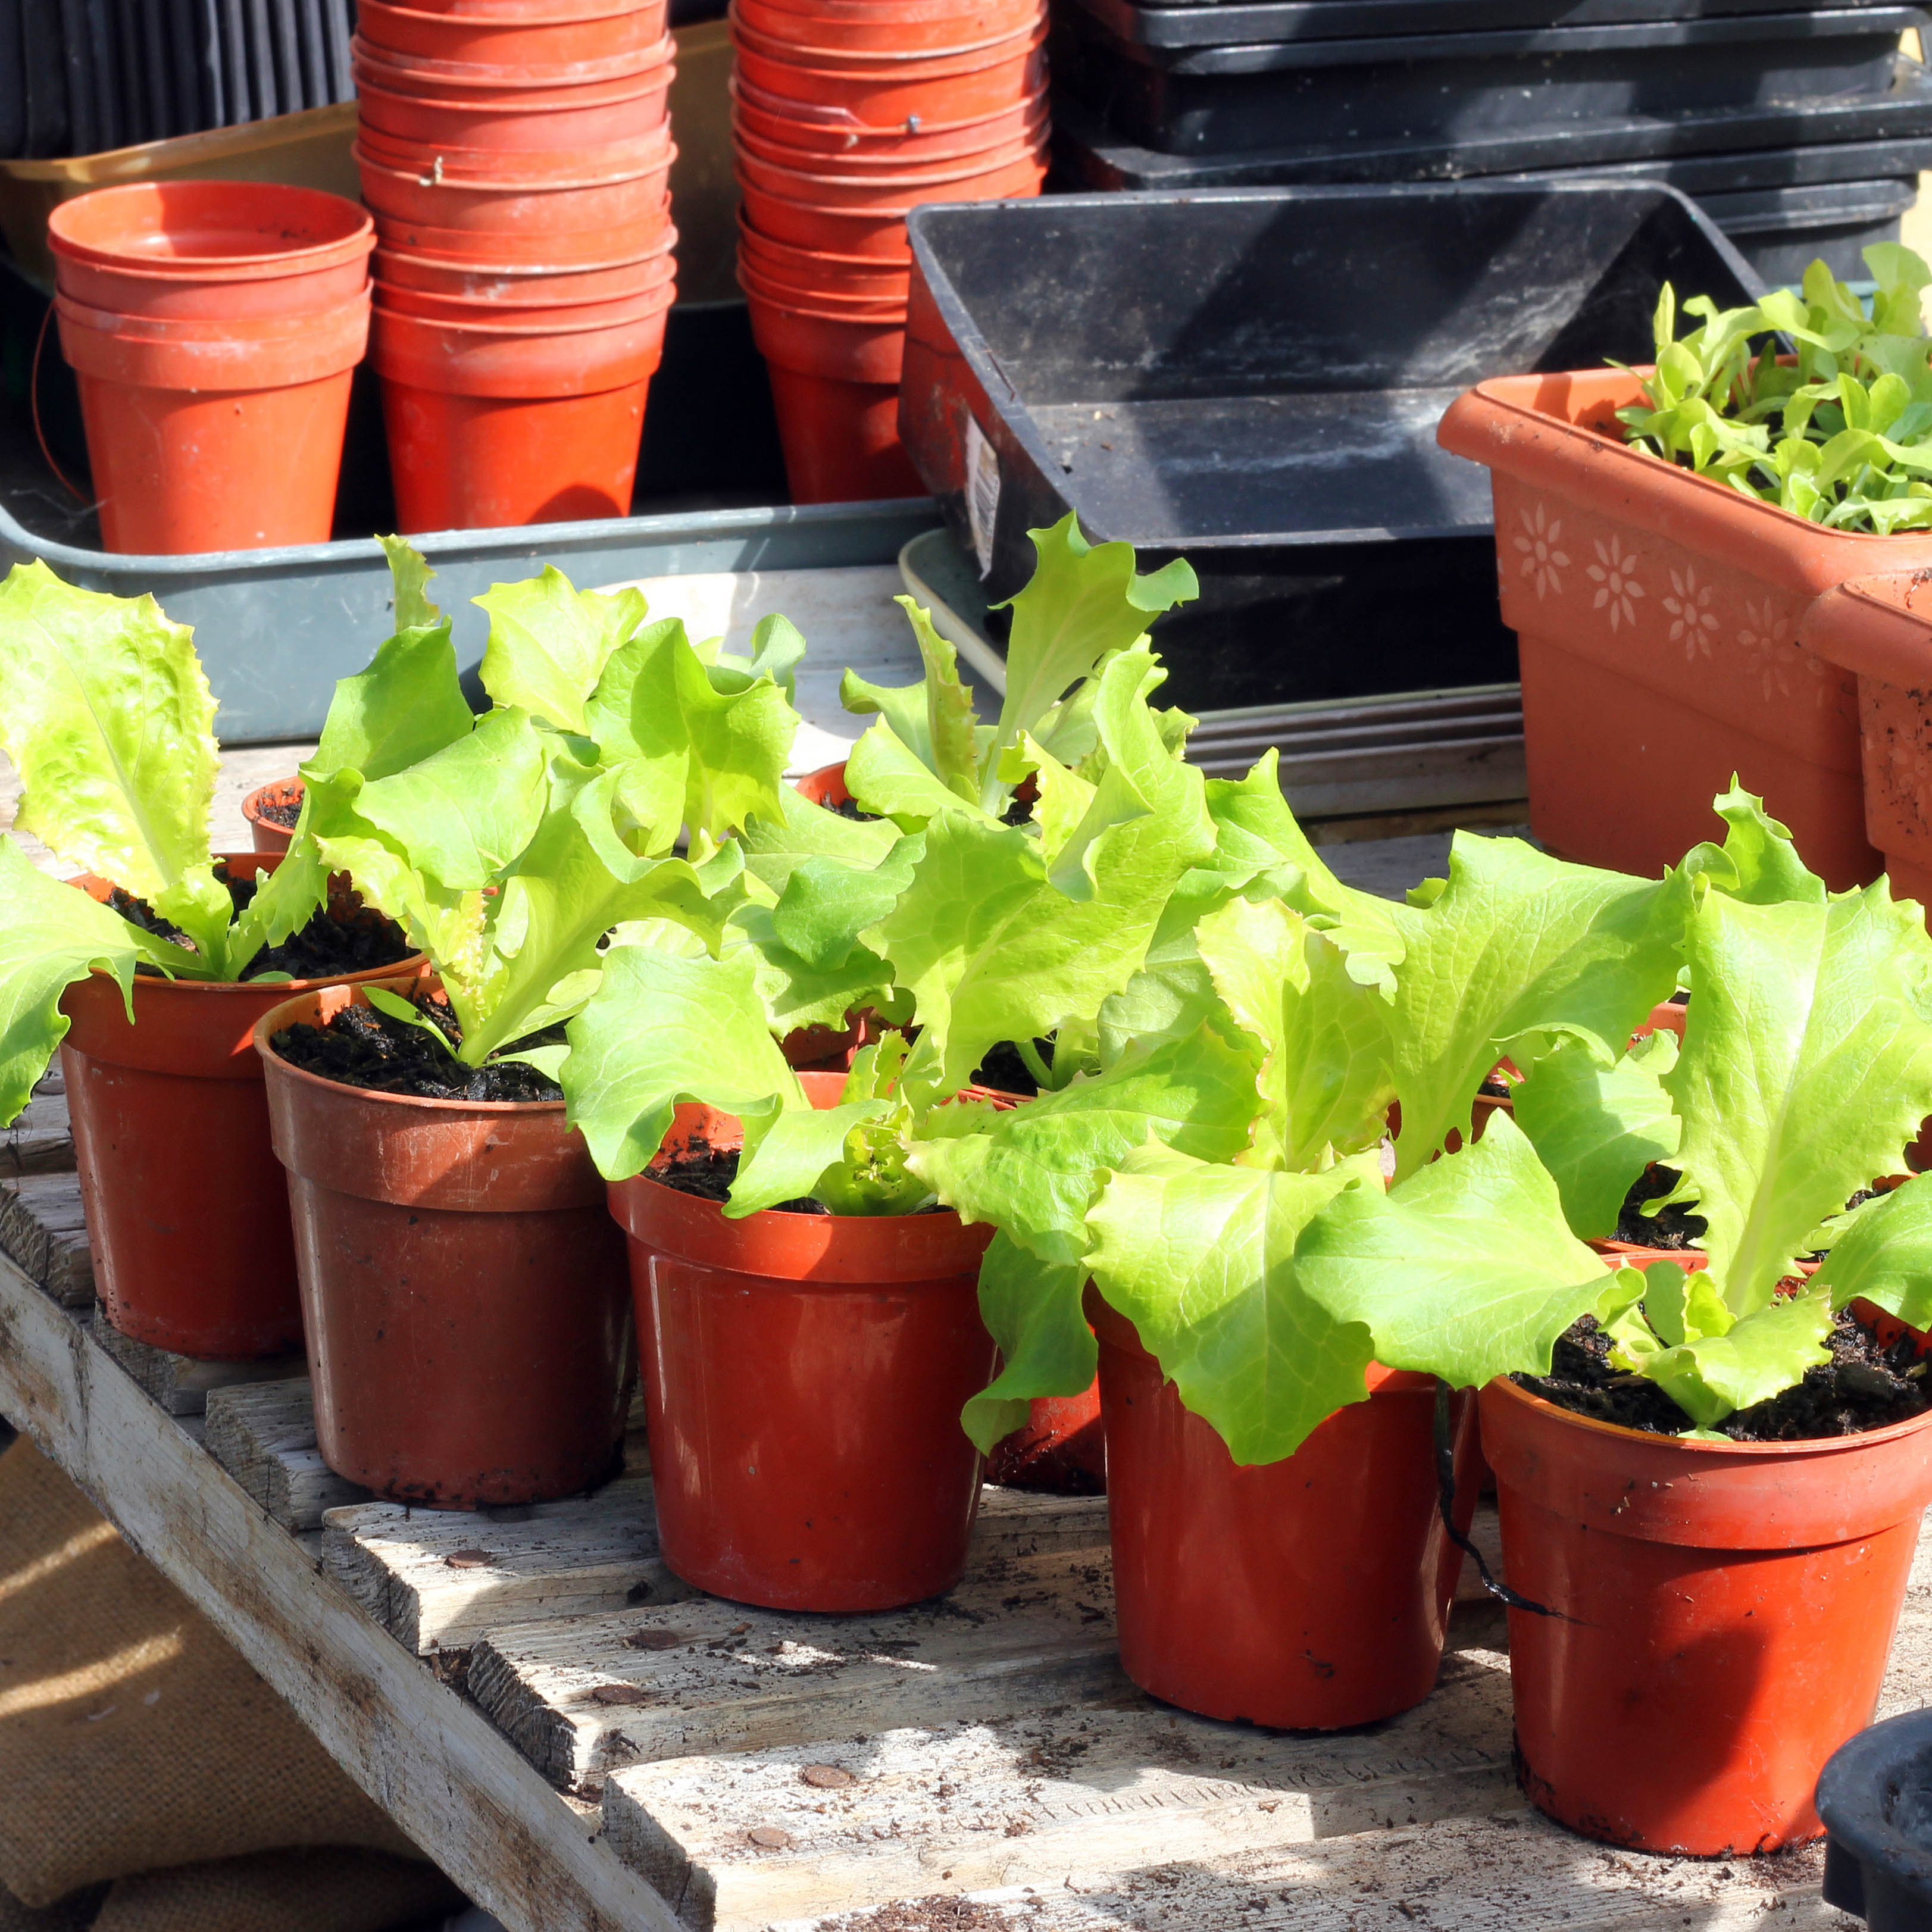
<point x="1615" y="575"/>
<point x="1693" y="623"/>
<point x="1542" y="560"/>
<point x="1912" y="774"/>
<point x="1765" y="639"/>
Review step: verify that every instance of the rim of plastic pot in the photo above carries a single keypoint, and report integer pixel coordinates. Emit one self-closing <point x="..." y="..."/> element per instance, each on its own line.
<point x="534" y="106"/>
<point x="517" y="271"/>
<point x="506" y="77"/>
<point x="422" y="177"/>
<point x="846" y="164"/>
<point x="917" y="65"/>
<point x="1031" y="156"/>
<point x="839" y="119"/>
<point x="345" y="229"/>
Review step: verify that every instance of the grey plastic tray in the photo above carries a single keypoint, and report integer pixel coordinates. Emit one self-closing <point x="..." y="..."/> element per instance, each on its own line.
<point x="277" y="628"/>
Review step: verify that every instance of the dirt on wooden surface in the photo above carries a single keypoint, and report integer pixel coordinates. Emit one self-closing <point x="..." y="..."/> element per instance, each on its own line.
<point x="1867" y="1384"/>
<point x="334" y="943"/>
<point x="362" y="1048"/>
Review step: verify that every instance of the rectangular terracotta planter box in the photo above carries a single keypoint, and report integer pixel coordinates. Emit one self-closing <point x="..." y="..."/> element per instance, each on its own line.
<point x="1658" y="614"/>
<point x="1879" y="628"/>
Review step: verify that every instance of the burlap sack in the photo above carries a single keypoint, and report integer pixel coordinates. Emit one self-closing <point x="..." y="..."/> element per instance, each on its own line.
<point x="281" y="1891"/>
<point x="133" y="1737"/>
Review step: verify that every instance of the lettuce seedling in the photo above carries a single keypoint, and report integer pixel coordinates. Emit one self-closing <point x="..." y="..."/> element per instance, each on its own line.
<point x="1838" y="429"/>
<point x="107" y="717"/>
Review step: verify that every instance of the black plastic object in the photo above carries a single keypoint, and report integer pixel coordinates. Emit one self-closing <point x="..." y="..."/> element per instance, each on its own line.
<point x="1091" y="155"/>
<point x="1253" y="380"/>
<point x="1219" y="23"/>
<point x="1781" y="231"/>
<point x="1459" y="87"/>
<point x="1875" y="1796"/>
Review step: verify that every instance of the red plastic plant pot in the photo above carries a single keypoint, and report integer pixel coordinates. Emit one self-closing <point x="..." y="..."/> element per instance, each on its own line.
<point x="860" y="160"/>
<point x="971" y="177"/>
<point x="1310" y="1593"/>
<point x="187" y="1217"/>
<point x="627" y="192"/>
<point x="572" y="82"/>
<point x="914" y="28"/>
<point x="1670" y="604"/>
<point x="559" y="38"/>
<point x="469" y="1329"/>
<point x="849" y="278"/>
<point x="869" y="218"/>
<point x="876" y="97"/>
<point x="443" y="163"/>
<point x="840" y="440"/>
<point x="832" y="128"/>
<point x="858" y="338"/>
<point x="513" y="125"/>
<point x="1061" y="1450"/>
<point x="647" y="267"/>
<point x="218" y="251"/>
<point x="487" y="252"/>
<point x="1726" y="1609"/>
<point x="271" y="835"/>
<point x="516" y="310"/>
<point x="210" y="436"/>
<point x="494" y="428"/>
<point x="755" y="1325"/>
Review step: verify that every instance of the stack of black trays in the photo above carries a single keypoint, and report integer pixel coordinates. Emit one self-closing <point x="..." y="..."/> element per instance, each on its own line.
<point x="82" y="77"/>
<point x="1801" y="130"/>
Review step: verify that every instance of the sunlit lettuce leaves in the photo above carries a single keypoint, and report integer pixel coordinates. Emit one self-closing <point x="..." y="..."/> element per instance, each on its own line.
<point x="1032" y="1308"/>
<point x="1597" y="1128"/>
<point x="53" y="935"/>
<point x="1517" y="942"/>
<point x="934" y="720"/>
<point x="549" y="643"/>
<point x="1806" y="1068"/>
<point x="1203" y="1259"/>
<point x="108" y="719"/>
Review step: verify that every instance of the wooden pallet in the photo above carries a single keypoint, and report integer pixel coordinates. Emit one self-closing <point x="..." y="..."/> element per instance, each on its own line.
<point x="587" y="1744"/>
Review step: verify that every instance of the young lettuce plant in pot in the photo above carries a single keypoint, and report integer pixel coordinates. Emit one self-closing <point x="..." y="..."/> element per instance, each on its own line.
<point x="786" y="1249"/>
<point x="1717" y="1489"/>
<point x="1272" y="1471"/>
<point x="1661" y="534"/>
<point x="468" y="1314"/>
<point x="151" y="976"/>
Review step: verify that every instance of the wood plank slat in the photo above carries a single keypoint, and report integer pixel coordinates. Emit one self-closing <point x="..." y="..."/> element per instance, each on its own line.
<point x="43" y="1229"/>
<point x="582" y="1695"/>
<point x="912" y="1812"/>
<point x="182" y="1383"/>
<point x="263" y="1435"/>
<point x="41" y="1140"/>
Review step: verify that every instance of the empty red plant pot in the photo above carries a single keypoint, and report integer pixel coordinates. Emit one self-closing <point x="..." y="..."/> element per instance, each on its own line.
<point x="207" y="436"/>
<point x="483" y="251"/>
<point x="567" y="35"/>
<point x="632" y="191"/>
<point x="868" y="218"/>
<point x="515" y="125"/>
<point x="468" y="1325"/>
<point x="1724" y="1611"/>
<point x="216" y="251"/>
<point x="835" y="130"/>
<point x="612" y="279"/>
<point x="1311" y="1594"/>
<point x="495" y="427"/>
<point x="865" y="161"/>
<point x="972" y="177"/>
<point x="271" y="810"/>
<point x="514" y="311"/>
<point x="442" y="163"/>
<point x="187" y="1217"/>
<point x="853" y="277"/>
<point x="792" y="315"/>
<point x="755" y="1324"/>
<point x="575" y="84"/>
<point x="962" y="87"/>
<point x="909" y="28"/>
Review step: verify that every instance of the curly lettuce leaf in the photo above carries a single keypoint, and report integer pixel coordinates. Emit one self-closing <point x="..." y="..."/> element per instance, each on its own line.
<point x="1757" y="861"/>
<point x="1205" y="1261"/>
<point x="1032" y="1309"/>
<point x="934" y="719"/>
<point x="1806" y="1067"/>
<point x="1515" y="943"/>
<point x="1884" y="1256"/>
<point x="550" y="642"/>
<point x="1596" y="1128"/>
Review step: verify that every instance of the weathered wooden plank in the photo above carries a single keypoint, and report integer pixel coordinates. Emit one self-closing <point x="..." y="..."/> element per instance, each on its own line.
<point x="734" y="1841"/>
<point x="423" y="1754"/>
<point x="263" y="1435"/>
<point x="1505" y="1873"/>
<point x="44" y="1228"/>
<point x="584" y="1695"/>
<point x="582" y="1555"/>
<point x="41" y="1140"/>
<point x="182" y="1383"/>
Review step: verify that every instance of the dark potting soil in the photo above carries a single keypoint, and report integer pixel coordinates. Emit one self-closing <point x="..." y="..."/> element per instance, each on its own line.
<point x="1676" y="1226"/>
<point x="284" y="811"/>
<point x="362" y="1048"/>
<point x="848" y="808"/>
<point x="1004" y="1071"/>
<point x="327" y="948"/>
<point x="1867" y="1384"/>
<point x="707" y="1171"/>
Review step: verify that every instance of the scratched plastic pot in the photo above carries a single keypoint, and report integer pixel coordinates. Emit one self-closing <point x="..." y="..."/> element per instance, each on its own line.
<point x="270" y="834"/>
<point x="1726" y="1609"/>
<point x="1311" y="1594"/>
<point x="803" y="1386"/>
<point x="554" y="37"/>
<point x="187" y="1218"/>
<point x="463" y="1290"/>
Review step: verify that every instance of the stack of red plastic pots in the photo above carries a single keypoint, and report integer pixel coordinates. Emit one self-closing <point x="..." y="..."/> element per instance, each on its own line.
<point x="214" y="327"/>
<point x="847" y="115"/>
<point x="516" y="154"/>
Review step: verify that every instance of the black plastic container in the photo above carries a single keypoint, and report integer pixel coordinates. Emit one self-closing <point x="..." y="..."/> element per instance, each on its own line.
<point x="1875" y="1796"/>
<point x="1454" y="88"/>
<point x="1781" y="231"/>
<point x="1253" y="380"/>
<point x="1217" y="23"/>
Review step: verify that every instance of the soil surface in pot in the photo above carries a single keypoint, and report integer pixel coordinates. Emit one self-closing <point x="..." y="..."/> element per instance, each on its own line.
<point x="362" y="1048"/>
<point x="1005" y="1072"/>
<point x="285" y="811"/>
<point x="1867" y="1384"/>
<point x="331" y="946"/>
<point x="1679" y="1225"/>
<point x="707" y="1171"/>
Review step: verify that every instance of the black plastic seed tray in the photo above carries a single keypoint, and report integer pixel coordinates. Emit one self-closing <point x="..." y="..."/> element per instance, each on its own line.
<point x="1454" y="88"/>
<point x="1875" y="1796"/>
<point x="1253" y="380"/>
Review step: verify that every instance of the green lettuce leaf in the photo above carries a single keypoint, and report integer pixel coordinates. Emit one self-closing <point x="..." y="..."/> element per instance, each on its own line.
<point x="934" y="719"/>
<point x="1884" y="1256"/>
<point x="550" y="642"/>
<point x="1203" y="1260"/>
<point x="1032" y="1309"/>
<point x="1710" y="1376"/>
